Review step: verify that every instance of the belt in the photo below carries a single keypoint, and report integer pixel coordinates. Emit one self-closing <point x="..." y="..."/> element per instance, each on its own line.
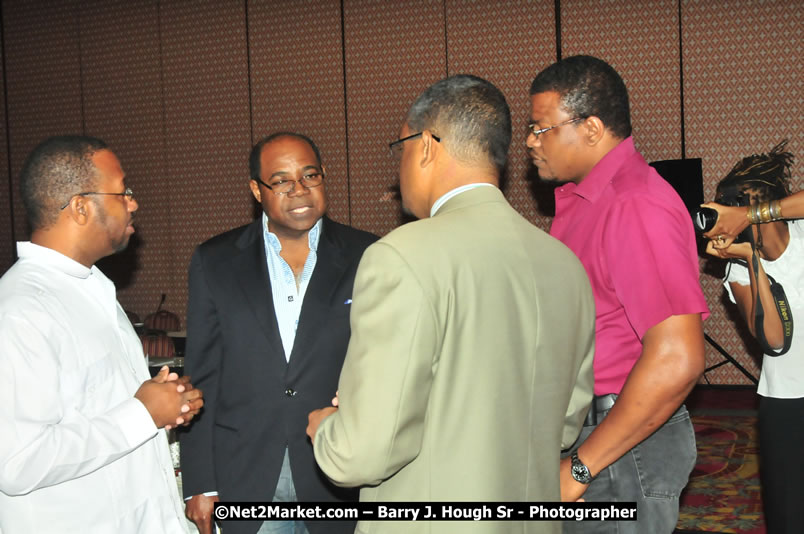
<point x="601" y="404"/>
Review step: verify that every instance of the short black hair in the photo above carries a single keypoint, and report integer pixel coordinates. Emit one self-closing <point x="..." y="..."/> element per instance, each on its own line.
<point x="256" y="150"/>
<point x="469" y="115"/>
<point x="588" y="86"/>
<point x="56" y="170"/>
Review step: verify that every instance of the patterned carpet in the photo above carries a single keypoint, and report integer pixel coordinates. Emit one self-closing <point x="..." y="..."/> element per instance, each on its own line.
<point x="723" y="494"/>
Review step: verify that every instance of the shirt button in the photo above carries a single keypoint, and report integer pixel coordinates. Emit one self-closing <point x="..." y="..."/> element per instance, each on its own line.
<point x="290" y="392"/>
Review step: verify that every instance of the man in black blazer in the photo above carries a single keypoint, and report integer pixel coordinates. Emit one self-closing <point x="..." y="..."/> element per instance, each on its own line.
<point x="267" y="331"/>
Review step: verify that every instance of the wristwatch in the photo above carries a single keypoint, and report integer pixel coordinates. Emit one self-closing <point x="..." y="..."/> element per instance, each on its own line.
<point x="579" y="471"/>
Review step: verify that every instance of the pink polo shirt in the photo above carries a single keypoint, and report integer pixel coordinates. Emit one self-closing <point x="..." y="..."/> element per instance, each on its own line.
<point x="635" y="238"/>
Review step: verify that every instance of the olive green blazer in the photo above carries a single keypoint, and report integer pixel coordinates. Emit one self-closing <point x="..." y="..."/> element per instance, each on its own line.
<point x="469" y="367"/>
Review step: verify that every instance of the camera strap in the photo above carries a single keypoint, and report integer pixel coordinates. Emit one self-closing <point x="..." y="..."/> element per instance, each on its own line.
<point x="782" y="307"/>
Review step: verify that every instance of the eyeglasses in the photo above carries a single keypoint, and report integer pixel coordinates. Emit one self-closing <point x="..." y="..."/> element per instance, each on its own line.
<point x="534" y="129"/>
<point x="128" y="193"/>
<point x="284" y="187"/>
<point x="396" y="146"/>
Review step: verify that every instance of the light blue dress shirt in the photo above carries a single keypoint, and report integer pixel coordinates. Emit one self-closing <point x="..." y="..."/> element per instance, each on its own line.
<point x="287" y="296"/>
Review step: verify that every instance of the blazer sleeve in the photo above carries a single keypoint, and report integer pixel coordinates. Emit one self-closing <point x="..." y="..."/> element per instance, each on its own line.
<point x="204" y="353"/>
<point x="386" y="378"/>
<point x="582" y="389"/>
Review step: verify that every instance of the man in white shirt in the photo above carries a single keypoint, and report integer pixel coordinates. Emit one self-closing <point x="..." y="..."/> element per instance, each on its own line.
<point x="82" y="450"/>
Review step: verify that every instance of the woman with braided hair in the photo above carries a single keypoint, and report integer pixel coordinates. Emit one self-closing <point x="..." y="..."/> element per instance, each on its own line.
<point x="733" y="220"/>
<point x="766" y="250"/>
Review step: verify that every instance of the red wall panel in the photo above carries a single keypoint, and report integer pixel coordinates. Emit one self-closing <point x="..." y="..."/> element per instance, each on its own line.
<point x="394" y="50"/>
<point x="7" y="248"/>
<point x="297" y="83"/>
<point x="121" y="77"/>
<point x="43" y="74"/>
<point x="640" y="40"/>
<point x="510" y="59"/>
<point x="182" y="89"/>
<point x="207" y="127"/>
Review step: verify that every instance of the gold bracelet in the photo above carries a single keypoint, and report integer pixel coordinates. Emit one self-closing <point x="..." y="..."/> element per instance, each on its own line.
<point x="776" y="210"/>
<point x="764" y="212"/>
<point x="753" y="216"/>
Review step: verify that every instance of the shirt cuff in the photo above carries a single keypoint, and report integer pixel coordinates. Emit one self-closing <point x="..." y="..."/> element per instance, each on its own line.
<point x="137" y="424"/>
<point x="206" y="494"/>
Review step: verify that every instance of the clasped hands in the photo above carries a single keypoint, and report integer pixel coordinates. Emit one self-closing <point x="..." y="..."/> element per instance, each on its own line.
<point x="171" y="400"/>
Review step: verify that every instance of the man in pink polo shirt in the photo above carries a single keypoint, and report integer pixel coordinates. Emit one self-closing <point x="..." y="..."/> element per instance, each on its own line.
<point x="634" y="236"/>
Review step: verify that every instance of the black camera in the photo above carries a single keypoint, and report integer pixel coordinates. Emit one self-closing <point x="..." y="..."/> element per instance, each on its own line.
<point x="704" y="219"/>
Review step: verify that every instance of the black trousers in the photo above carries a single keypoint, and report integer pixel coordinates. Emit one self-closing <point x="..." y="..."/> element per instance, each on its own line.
<point x="781" y="463"/>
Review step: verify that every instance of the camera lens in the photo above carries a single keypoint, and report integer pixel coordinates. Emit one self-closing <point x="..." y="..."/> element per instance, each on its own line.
<point x="704" y="219"/>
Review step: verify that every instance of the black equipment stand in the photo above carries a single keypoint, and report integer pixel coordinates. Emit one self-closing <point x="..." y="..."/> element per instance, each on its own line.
<point x="728" y="359"/>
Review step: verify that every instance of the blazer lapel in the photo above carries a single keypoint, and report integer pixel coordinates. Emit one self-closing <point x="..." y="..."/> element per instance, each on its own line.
<point x="251" y="271"/>
<point x="329" y="269"/>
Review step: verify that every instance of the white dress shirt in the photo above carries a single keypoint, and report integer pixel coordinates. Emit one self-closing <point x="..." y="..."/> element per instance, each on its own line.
<point x="78" y="453"/>
<point x="454" y="192"/>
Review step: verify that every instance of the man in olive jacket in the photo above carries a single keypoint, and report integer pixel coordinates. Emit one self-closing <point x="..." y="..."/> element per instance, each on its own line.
<point x="470" y="361"/>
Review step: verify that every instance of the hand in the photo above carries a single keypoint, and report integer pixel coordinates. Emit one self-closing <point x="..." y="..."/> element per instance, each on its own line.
<point x="335" y="400"/>
<point x="740" y="251"/>
<point x="731" y="220"/>
<point x="314" y="420"/>
<point x="571" y="489"/>
<point x="199" y="510"/>
<point x="193" y="401"/>
<point x="169" y="402"/>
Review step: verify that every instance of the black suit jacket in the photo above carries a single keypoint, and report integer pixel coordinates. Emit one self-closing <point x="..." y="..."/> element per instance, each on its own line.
<point x="256" y="403"/>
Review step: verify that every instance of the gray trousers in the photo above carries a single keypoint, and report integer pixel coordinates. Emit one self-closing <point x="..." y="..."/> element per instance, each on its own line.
<point x="652" y="474"/>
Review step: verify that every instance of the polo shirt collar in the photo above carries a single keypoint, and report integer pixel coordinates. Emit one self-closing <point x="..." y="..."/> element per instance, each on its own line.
<point x="593" y="185"/>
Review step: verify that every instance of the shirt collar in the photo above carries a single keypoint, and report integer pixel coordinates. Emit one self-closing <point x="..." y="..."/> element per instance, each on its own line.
<point x="312" y="236"/>
<point x="592" y="186"/>
<point x="57" y="260"/>
<point x="457" y="191"/>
